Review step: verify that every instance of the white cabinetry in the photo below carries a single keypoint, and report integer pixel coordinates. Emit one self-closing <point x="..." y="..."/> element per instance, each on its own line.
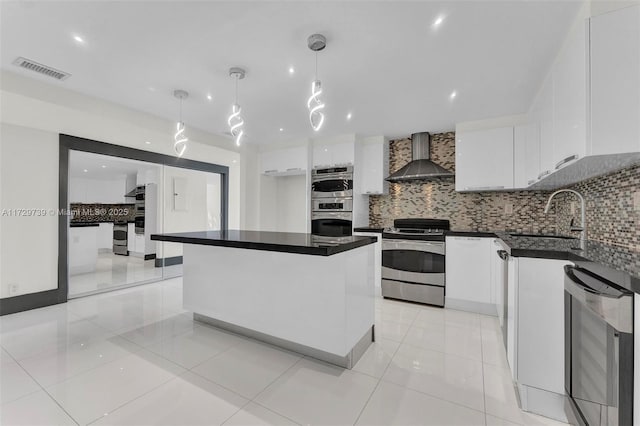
<point x="283" y="162"/>
<point x="535" y="348"/>
<point x="374" y="165"/>
<point x="377" y="258"/>
<point x="339" y="154"/>
<point x="469" y="281"/>
<point x="526" y="146"/>
<point x="615" y="82"/>
<point x="484" y="159"/>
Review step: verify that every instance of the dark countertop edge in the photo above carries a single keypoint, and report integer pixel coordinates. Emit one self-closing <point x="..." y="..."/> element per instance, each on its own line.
<point x="368" y="229"/>
<point x="482" y="234"/>
<point x="97" y="223"/>
<point x="84" y="225"/>
<point x="282" y="248"/>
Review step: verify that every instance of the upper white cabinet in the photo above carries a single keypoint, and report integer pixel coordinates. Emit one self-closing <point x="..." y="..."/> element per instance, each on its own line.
<point x="283" y="162"/>
<point x="339" y="154"/>
<point x="615" y="82"/>
<point x="374" y="166"/>
<point x="484" y="159"/>
<point x="570" y="98"/>
<point x="526" y="146"/>
<point x="469" y="279"/>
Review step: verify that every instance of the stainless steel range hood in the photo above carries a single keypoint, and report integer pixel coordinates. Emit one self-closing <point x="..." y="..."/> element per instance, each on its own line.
<point x="421" y="167"/>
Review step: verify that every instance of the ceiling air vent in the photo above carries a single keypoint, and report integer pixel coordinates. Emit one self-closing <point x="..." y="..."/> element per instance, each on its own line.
<point x="42" y="69"/>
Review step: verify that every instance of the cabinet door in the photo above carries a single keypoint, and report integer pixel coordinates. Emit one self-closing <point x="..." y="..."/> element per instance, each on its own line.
<point x="526" y="145"/>
<point x="484" y="159"/>
<point x="342" y="154"/>
<point x="321" y="156"/>
<point x="372" y="166"/>
<point x="615" y="82"/>
<point x="545" y="114"/>
<point x="512" y="314"/>
<point x="540" y="328"/>
<point x="468" y="266"/>
<point x="269" y="162"/>
<point x="292" y="160"/>
<point x="569" y="99"/>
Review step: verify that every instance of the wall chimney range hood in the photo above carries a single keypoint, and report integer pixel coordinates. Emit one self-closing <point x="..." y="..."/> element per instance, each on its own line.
<point x="420" y="167"/>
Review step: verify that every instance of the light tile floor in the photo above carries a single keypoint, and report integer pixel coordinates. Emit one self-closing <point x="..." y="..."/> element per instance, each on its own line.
<point x="115" y="271"/>
<point x="135" y="357"/>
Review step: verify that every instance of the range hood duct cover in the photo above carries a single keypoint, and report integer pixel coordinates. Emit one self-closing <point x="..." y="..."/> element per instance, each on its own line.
<point x="421" y="167"/>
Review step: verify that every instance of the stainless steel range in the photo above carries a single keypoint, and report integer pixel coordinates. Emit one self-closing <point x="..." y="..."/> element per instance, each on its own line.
<point x="413" y="260"/>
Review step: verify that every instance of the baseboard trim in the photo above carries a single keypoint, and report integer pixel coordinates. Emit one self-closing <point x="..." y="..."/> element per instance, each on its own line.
<point x="149" y="256"/>
<point x="168" y="261"/>
<point x="25" y="302"/>
<point x="469" y="306"/>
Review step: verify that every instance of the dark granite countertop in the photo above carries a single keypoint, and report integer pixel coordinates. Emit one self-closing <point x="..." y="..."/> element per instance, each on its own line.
<point x="368" y="229"/>
<point x="285" y="242"/>
<point x="83" y="224"/>
<point x="620" y="265"/>
<point x="469" y="233"/>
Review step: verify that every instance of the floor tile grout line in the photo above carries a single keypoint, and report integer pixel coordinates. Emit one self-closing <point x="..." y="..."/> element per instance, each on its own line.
<point x="43" y="389"/>
<point x="276" y="379"/>
<point x="175" y="376"/>
<point x="364" y="406"/>
<point x="273" y="411"/>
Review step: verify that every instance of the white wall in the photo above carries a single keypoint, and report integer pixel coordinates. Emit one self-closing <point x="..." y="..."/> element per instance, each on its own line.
<point x="29" y="244"/>
<point x="32" y="114"/>
<point x="291" y="204"/>
<point x="196" y="216"/>
<point x="83" y="190"/>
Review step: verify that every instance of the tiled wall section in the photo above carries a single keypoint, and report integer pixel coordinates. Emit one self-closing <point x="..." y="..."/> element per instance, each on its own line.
<point x="94" y="213"/>
<point x="610" y="215"/>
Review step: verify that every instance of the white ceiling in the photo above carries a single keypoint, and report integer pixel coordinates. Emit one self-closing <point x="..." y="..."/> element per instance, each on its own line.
<point x="114" y="167"/>
<point x="384" y="62"/>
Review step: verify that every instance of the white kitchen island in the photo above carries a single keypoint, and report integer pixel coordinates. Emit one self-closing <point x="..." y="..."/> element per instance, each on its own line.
<point x="283" y="288"/>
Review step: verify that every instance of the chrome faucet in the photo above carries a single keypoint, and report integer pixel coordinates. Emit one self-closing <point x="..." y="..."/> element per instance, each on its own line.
<point x="583" y="223"/>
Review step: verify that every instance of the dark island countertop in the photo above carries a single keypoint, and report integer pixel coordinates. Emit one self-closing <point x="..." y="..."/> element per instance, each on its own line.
<point x="285" y="242"/>
<point x="376" y="230"/>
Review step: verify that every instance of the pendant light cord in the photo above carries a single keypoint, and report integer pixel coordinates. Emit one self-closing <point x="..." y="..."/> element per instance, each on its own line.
<point x="181" y="110"/>
<point x="316" y="65"/>
<point x="237" y="77"/>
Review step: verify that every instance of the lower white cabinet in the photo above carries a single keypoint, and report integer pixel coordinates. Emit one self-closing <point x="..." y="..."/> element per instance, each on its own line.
<point x="536" y="347"/>
<point x="377" y="258"/>
<point x="468" y="266"/>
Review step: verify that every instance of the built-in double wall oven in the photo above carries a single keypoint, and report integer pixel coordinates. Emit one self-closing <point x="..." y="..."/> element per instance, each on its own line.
<point x="140" y="203"/>
<point x="332" y="204"/>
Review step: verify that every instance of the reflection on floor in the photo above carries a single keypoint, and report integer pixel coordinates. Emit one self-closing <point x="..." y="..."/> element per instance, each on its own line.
<point x="114" y="271"/>
<point x="135" y="357"/>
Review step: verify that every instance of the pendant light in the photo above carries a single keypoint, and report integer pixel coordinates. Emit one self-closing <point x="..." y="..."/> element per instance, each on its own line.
<point x="179" y="138"/>
<point x="316" y="42"/>
<point x="235" y="120"/>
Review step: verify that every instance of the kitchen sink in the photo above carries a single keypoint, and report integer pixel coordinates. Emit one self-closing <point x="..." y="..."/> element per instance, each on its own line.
<point x="561" y="237"/>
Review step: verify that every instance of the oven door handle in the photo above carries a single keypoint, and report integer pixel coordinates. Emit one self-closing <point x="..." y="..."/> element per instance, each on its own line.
<point x="424" y="246"/>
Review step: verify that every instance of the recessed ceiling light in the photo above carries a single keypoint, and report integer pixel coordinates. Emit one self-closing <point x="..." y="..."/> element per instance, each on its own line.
<point x="78" y="38"/>
<point x="439" y="20"/>
<point x="281" y="129"/>
<point x="209" y="97"/>
<point x="103" y="166"/>
<point x="292" y="70"/>
<point x="234" y="161"/>
<point x="147" y="142"/>
<point x="152" y="89"/>
<point x="85" y="170"/>
<point x="453" y="95"/>
<point x="349" y="116"/>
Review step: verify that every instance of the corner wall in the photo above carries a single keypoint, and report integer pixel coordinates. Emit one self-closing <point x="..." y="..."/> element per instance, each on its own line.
<point x="32" y="114"/>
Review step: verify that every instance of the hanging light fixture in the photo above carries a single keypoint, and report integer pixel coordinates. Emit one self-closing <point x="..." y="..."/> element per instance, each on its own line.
<point x="316" y="42"/>
<point x="179" y="138"/>
<point x="235" y="120"/>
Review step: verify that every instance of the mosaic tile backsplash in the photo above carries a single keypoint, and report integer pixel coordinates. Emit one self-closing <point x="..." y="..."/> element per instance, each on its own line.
<point x="610" y="215"/>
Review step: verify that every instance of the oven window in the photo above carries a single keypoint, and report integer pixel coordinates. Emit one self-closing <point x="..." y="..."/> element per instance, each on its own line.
<point x="413" y="261"/>
<point x="331" y="227"/>
<point x="332" y="185"/>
